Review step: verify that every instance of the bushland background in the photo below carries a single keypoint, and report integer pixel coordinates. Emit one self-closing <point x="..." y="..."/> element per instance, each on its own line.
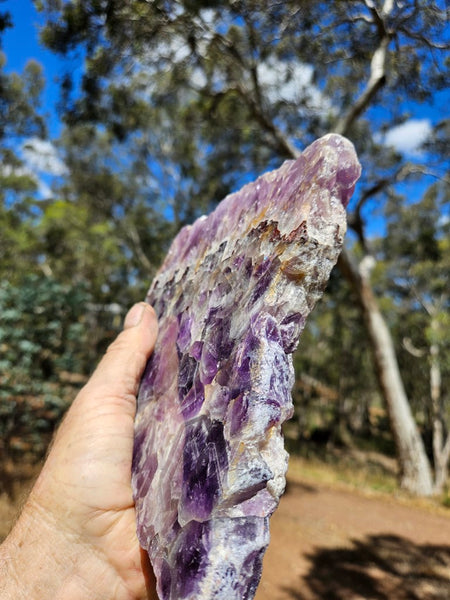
<point x="131" y="118"/>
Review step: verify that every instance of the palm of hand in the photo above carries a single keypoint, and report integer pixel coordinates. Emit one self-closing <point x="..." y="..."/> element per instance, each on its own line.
<point x="85" y="485"/>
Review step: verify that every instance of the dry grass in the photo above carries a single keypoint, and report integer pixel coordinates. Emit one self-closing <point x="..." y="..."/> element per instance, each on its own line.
<point x="370" y="474"/>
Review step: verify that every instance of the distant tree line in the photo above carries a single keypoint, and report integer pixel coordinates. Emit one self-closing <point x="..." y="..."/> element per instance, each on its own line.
<point x="175" y="104"/>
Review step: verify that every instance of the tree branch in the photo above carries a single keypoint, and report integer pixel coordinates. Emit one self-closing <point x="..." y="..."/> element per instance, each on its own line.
<point x="140" y="254"/>
<point x="281" y="143"/>
<point x="348" y="268"/>
<point x="411" y="349"/>
<point x="311" y="384"/>
<point x="254" y="101"/>
<point x="360" y="17"/>
<point x="376" y="17"/>
<point x="355" y="221"/>
<point x="377" y="77"/>
<point x="421" y="38"/>
<point x="376" y="81"/>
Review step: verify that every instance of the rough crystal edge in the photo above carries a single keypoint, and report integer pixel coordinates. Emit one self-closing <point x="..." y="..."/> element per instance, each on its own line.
<point x="334" y="162"/>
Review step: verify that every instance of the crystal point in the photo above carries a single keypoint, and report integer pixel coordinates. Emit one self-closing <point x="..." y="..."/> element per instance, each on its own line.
<point x="232" y="297"/>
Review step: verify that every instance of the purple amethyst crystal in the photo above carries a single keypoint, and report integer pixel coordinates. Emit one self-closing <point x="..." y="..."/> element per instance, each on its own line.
<point x="232" y="297"/>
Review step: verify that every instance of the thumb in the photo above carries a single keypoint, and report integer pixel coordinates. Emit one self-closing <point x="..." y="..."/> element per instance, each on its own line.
<point x="120" y="370"/>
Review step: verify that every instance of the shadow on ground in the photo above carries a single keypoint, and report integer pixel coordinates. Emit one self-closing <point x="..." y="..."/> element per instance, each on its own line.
<point x="299" y="486"/>
<point x="379" y="567"/>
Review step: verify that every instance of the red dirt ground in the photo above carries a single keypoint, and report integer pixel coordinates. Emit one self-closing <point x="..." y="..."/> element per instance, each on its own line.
<point x="330" y="542"/>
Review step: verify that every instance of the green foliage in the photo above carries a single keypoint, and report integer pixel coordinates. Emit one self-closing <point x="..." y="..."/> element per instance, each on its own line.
<point x="43" y="333"/>
<point x="417" y="268"/>
<point x="446" y="498"/>
<point x="180" y="102"/>
<point x="103" y="213"/>
<point x="20" y="96"/>
<point x="19" y="100"/>
<point x="340" y="386"/>
<point x="5" y="21"/>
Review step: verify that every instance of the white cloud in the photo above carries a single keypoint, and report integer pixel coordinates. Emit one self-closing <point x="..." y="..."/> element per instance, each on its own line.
<point x="173" y="49"/>
<point x="43" y="189"/>
<point x="409" y="136"/>
<point x="8" y="170"/>
<point x="41" y="156"/>
<point x="444" y="220"/>
<point x="40" y="163"/>
<point x="208" y="16"/>
<point x="292" y="82"/>
<point x="198" y="78"/>
<point x="284" y="81"/>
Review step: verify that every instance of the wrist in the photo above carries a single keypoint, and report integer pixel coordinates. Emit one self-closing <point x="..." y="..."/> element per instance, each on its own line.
<point x="10" y="585"/>
<point x="38" y="562"/>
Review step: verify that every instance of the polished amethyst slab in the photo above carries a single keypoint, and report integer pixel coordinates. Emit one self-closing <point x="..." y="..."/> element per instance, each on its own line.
<point x="232" y="297"/>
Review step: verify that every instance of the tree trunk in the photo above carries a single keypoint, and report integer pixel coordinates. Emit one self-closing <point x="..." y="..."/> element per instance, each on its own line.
<point x="441" y="460"/>
<point x="441" y="447"/>
<point x="415" y="470"/>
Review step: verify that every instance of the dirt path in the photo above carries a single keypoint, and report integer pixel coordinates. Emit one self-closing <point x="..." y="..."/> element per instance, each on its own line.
<point x="332" y="543"/>
<point x="335" y="544"/>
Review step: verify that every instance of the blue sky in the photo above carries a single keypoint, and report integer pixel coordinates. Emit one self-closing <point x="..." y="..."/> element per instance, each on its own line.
<point x="21" y="43"/>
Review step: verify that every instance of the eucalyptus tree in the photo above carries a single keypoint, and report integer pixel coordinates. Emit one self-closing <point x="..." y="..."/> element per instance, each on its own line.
<point x="20" y="118"/>
<point x="416" y="255"/>
<point x="217" y="90"/>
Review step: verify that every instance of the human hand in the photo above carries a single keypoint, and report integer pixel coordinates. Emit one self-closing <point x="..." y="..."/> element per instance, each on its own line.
<point x="76" y="536"/>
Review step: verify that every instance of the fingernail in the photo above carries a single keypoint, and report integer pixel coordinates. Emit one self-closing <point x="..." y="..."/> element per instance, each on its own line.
<point x="134" y="315"/>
